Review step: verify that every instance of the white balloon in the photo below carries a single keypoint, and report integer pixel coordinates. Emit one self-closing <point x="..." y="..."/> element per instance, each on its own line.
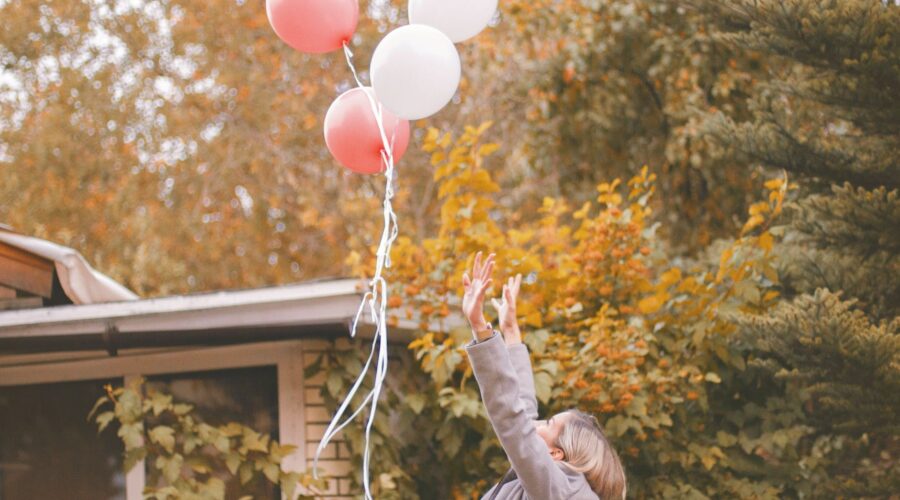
<point x="458" y="19"/>
<point x="415" y="71"/>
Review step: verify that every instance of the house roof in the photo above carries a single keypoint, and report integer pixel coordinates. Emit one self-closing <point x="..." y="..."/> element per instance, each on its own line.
<point x="81" y="283"/>
<point x="325" y="308"/>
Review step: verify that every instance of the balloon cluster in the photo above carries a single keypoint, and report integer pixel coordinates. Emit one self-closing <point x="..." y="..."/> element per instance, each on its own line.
<point x="415" y="69"/>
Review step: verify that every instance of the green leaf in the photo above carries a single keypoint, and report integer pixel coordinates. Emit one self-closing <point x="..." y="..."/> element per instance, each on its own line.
<point x="216" y="488"/>
<point x="279" y="451"/>
<point x="416" y="402"/>
<point x="104" y="419"/>
<point x="170" y="467"/>
<point x="246" y="472"/>
<point x="182" y="409"/>
<point x="233" y="461"/>
<point x="543" y="386"/>
<point x="254" y="441"/>
<point x="222" y="443"/>
<point x="160" y="402"/>
<point x="100" y="401"/>
<point x="164" y="436"/>
<point x="129" y="408"/>
<point x="271" y="471"/>
<point x="537" y="340"/>
<point x="289" y="483"/>
<point x="132" y="435"/>
<point x="133" y="457"/>
<point x="314" y="367"/>
<point x="747" y="291"/>
<point x="335" y="383"/>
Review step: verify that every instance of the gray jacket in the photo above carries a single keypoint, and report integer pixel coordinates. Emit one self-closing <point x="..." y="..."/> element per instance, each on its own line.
<point x="506" y="381"/>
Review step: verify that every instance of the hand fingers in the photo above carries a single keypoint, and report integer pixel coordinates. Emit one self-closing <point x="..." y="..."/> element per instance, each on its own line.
<point x="476" y="267"/>
<point x="488" y="270"/>
<point x="496" y="304"/>
<point x="518" y="283"/>
<point x="466" y="281"/>
<point x="487" y="284"/>
<point x="487" y="267"/>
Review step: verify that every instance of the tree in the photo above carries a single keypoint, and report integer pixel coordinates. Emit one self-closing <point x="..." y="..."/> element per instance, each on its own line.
<point x="615" y="85"/>
<point x="615" y="326"/>
<point x="829" y="115"/>
<point x="177" y="144"/>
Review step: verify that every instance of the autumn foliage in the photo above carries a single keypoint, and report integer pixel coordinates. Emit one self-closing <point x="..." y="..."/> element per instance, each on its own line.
<point x="615" y="327"/>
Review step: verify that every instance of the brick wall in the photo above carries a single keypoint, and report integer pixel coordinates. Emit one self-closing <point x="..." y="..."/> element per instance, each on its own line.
<point x="335" y="459"/>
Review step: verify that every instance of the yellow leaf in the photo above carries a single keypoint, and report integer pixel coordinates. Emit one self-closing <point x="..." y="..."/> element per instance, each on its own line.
<point x="430" y="141"/>
<point x="752" y="222"/>
<point x="582" y="212"/>
<point x="766" y="241"/>
<point x="651" y="304"/>
<point x="759" y="208"/>
<point x="669" y="277"/>
<point x="487" y="149"/>
<point x="484" y="126"/>
<point x="534" y="319"/>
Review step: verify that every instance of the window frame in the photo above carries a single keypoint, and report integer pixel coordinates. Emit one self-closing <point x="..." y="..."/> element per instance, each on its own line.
<point x="286" y="356"/>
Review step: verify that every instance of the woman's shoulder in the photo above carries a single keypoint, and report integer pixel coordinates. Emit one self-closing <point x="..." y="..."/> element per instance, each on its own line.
<point x="578" y="484"/>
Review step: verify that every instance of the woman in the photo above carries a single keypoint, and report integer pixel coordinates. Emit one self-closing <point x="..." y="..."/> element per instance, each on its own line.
<point x="564" y="458"/>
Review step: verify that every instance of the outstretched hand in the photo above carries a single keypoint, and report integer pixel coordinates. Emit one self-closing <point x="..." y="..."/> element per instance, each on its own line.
<point x="475" y="288"/>
<point x="506" y="310"/>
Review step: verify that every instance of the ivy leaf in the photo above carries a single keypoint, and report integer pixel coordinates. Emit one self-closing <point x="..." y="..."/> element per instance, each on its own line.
<point x="131" y="435"/>
<point x="288" y="483"/>
<point x="271" y="471"/>
<point x="100" y="401"/>
<point x="104" y="419"/>
<point x="170" y="467"/>
<point x="160" y="402"/>
<point x="246" y="473"/>
<point x="233" y="461"/>
<point x="182" y="409"/>
<point x="133" y="457"/>
<point x="416" y="402"/>
<point x="164" y="436"/>
<point x="335" y="383"/>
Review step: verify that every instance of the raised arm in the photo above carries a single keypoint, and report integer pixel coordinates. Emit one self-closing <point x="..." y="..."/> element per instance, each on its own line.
<point x="521" y="362"/>
<point x="509" y="398"/>
<point x="511" y="417"/>
<point x="518" y="352"/>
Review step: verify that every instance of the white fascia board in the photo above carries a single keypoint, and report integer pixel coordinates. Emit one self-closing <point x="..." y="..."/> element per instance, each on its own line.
<point x="311" y="303"/>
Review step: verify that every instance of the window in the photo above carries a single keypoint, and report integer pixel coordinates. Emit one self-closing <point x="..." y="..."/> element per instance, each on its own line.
<point x="259" y="385"/>
<point x="248" y="396"/>
<point x="48" y="448"/>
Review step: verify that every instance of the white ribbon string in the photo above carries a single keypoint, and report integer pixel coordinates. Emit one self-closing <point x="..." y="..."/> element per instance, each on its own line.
<point x="377" y="300"/>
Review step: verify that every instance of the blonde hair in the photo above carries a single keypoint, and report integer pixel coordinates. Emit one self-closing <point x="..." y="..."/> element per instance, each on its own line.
<point x="588" y="451"/>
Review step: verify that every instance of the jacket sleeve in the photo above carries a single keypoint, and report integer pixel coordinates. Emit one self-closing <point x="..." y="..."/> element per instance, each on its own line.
<point x="521" y="361"/>
<point x="527" y="452"/>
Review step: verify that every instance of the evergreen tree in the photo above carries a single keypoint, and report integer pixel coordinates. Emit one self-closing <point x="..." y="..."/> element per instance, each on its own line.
<point x="829" y="114"/>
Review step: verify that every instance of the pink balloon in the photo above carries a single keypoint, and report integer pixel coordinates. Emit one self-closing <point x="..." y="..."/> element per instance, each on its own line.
<point x="314" y="26"/>
<point x="352" y="135"/>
